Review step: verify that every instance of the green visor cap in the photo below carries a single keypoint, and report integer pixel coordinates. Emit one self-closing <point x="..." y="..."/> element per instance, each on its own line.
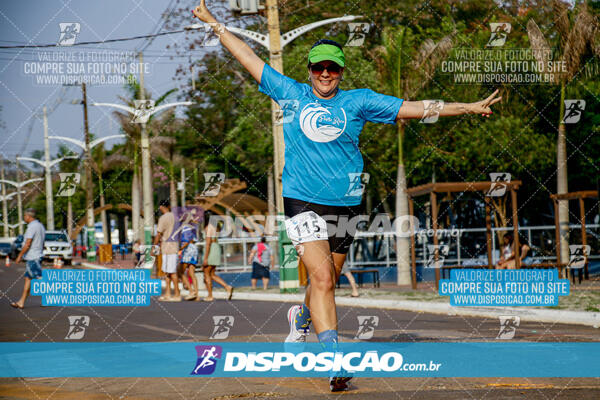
<point x="327" y="52"/>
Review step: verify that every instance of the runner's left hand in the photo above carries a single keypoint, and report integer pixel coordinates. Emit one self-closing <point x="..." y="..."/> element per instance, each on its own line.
<point x="483" y="107"/>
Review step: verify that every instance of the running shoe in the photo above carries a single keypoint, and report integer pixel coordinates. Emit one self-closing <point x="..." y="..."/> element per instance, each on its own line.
<point x="296" y="335"/>
<point x="339" y="383"/>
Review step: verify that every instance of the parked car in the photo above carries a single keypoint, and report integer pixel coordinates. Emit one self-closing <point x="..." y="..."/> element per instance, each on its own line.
<point x="57" y="244"/>
<point x="16" y="246"/>
<point x="4" y="248"/>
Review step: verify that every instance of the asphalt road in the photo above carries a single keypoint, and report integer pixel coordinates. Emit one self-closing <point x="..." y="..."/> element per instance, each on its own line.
<point x="255" y="321"/>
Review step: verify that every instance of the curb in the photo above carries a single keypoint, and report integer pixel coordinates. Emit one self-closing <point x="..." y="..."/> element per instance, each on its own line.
<point x="526" y="314"/>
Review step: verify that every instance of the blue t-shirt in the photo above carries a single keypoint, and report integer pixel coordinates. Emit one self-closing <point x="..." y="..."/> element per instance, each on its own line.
<point x="322" y="160"/>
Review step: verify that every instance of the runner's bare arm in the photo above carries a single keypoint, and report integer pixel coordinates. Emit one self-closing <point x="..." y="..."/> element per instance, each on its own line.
<point x="240" y="50"/>
<point x="416" y="109"/>
<point x="157" y="238"/>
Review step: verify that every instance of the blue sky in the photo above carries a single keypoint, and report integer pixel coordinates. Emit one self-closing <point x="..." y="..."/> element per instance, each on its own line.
<point x="37" y="22"/>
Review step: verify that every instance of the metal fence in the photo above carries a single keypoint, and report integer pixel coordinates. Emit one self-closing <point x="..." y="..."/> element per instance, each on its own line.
<point x="466" y="246"/>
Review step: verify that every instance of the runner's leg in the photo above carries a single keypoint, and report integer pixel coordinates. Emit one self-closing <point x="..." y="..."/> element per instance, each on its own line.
<point x="208" y="281"/>
<point x="319" y="265"/>
<point x="338" y="261"/>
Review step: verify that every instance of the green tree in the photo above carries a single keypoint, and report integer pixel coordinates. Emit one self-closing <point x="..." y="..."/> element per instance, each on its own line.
<point x="577" y="32"/>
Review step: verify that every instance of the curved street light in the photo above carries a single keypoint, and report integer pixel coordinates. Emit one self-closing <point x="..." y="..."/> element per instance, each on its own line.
<point x="19" y="185"/>
<point x="47" y="165"/>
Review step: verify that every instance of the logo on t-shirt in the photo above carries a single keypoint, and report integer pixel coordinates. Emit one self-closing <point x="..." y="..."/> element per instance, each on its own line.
<point x="320" y="125"/>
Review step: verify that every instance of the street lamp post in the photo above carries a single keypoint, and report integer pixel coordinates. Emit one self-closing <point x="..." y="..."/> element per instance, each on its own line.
<point x="5" y="197"/>
<point x="19" y="185"/>
<point x="141" y="114"/>
<point x="47" y="165"/>
<point x="4" y="205"/>
<point x="87" y="147"/>
<point x="13" y="226"/>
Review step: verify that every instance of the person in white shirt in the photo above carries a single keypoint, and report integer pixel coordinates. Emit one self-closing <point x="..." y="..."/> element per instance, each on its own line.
<point x="31" y="253"/>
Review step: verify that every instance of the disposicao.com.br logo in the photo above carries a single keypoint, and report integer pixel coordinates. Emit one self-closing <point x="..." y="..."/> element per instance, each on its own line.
<point x="296" y="361"/>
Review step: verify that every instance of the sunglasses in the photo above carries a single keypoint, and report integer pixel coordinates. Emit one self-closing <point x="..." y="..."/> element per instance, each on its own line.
<point x="319" y="68"/>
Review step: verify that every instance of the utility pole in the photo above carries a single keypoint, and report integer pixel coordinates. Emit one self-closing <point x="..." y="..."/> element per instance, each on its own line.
<point x="4" y="199"/>
<point x="49" y="193"/>
<point x="19" y="198"/>
<point x="182" y="187"/>
<point x="89" y="192"/>
<point x="276" y="62"/>
<point x="147" y="198"/>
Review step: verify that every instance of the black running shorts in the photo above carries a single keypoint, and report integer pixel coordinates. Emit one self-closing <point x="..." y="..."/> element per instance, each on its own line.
<point x="338" y="242"/>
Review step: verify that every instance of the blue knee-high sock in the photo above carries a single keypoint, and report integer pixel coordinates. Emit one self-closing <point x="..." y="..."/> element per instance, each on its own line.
<point x="303" y="318"/>
<point x="328" y="339"/>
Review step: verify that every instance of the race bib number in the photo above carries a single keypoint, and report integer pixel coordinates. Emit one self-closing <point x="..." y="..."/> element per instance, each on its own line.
<point x="306" y="227"/>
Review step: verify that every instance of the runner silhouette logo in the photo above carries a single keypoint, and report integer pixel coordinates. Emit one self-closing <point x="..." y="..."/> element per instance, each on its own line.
<point x="498" y="186"/>
<point x="320" y="125"/>
<point x="212" y="183"/>
<point x="143" y="109"/>
<point x="573" y="111"/>
<point x="431" y="111"/>
<point x="68" y="33"/>
<point x="508" y="326"/>
<point x="358" y="182"/>
<point x="68" y="183"/>
<point x="437" y="255"/>
<point x="366" y="326"/>
<point x="285" y="114"/>
<point x="500" y="31"/>
<point x="358" y="32"/>
<point x="223" y="324"/>
<point x="77" y="326"/>
<point x="207" y="359"/>
<point x="578" y="255"/>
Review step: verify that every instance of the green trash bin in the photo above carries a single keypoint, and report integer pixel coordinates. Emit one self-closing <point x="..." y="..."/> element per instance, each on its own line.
<point x="288" y="261"/>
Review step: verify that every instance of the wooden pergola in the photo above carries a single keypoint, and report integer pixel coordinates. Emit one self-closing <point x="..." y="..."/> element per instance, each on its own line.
<point x="580" y="196"/>
<point x="241" y="204"/>
<point x="432" y="189"/>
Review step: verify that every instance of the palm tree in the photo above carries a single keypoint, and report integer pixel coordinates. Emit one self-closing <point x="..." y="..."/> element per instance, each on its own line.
<point x="164" y="146"/>
<point x="131" y="151"/>
<point x="101" y="164"/>
<point x="577" y="34"/>
<point x="407" y="79"/>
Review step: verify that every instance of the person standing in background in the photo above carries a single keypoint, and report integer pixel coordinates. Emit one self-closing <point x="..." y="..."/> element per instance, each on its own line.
<point x="348" y="274"/>
<point x="169" y="248"/>
<point x="32" y="252"/>
<point x="137" y="251"/>
<point x="261" y="257"/>
<point x="212" y="258"/>
<point x="189" y="259"/>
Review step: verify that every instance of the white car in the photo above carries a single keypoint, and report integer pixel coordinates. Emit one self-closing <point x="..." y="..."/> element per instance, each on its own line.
<point x="57" y="245"/>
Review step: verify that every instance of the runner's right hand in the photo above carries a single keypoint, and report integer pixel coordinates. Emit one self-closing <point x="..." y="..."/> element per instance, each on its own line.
<point x="201" y="12"/>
